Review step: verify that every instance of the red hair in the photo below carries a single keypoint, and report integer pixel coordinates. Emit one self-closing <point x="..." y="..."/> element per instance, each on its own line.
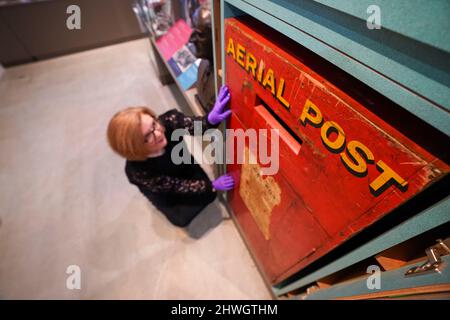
<point x="124" y="133"/>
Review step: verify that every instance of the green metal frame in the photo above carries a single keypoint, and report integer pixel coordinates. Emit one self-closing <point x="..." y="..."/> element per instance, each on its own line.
<point x="428" y="219"/>
<point x="409" y="71"/>
<point x="410" y="18"/>
<point x="213" y="22"/>
<point x="389" y="281"/>
<point x="418" y="81"/>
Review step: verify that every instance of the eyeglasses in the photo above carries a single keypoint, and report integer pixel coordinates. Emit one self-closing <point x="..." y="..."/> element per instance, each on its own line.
<point x="150" y="137"/>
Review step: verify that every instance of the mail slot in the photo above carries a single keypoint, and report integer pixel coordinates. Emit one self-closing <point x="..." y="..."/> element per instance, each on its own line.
<point x="344" y="160"/>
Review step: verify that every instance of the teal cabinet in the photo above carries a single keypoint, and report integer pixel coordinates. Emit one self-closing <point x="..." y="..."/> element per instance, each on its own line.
<point x="407" y="60"/>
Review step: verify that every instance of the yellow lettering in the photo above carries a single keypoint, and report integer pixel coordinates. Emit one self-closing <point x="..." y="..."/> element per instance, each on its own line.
<point x="230" y="48"/>
<point x="358" y="155"/>
<point x="314" y="117"/>
<point x="251" y="64"/>
<point x="260" y="70"/>
<point x="280" y="92"/>
<point x="339" y="143"/>
<point x="386" y="178"/>
<point x="240" y="55"/>
<point x="269" y="80"/>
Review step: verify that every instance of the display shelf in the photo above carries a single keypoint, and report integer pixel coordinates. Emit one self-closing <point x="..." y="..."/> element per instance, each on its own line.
<point x="189" y="94"/>
<point x="196" y="108"/>
<point x="167" y="75"/>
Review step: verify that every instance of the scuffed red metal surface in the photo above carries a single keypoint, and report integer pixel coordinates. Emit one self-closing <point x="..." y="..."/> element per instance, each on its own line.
<point x="323" y="203"/>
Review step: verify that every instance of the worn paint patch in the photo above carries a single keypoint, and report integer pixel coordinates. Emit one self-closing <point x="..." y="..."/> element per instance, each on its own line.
<point x="259" y="194"/>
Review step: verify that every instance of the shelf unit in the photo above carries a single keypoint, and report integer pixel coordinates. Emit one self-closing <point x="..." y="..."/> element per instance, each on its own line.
<point x="167" y="76"/>
<point x="407" y="61"/>
<point x="409" y="65"/>
<point x="165" y="71"/>
<point x="189" y="95"/>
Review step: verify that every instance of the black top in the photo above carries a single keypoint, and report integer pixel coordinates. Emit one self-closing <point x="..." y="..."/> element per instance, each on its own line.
<point x="180" y="191"/>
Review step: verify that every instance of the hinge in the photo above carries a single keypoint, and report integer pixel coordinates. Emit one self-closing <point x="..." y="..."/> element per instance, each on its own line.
<point x="434" y="263"/>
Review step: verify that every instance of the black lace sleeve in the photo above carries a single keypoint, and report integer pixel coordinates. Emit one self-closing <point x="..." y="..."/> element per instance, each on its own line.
<point x="168" y="184"/>
<point x="175" y="119"/>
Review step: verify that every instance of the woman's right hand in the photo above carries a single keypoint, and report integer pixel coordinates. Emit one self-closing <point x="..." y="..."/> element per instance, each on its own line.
<point x="223" y="183"/>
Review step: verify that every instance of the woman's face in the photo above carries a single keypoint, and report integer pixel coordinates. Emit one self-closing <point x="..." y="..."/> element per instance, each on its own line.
<point x="153" y="132"/>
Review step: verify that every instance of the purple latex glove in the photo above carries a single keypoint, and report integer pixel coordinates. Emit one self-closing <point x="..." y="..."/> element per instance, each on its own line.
<point x="223" y="183"/>
<point x="217" y="115"/>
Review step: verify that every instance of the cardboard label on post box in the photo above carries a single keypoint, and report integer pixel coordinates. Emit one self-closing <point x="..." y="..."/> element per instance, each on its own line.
<point x="341" y="166"/>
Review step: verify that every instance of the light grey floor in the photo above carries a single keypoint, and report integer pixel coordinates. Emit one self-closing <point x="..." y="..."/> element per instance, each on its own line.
<point x="64" y="198"/>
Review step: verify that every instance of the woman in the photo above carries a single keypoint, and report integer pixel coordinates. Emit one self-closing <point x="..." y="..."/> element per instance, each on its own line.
<point x="179" y="191"/>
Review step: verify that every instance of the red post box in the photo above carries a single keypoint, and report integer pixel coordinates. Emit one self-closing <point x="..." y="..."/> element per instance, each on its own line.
<point x="343" y="164"/>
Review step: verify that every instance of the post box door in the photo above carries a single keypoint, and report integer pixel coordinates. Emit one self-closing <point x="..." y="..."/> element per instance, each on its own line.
<point x="274" y="218"/>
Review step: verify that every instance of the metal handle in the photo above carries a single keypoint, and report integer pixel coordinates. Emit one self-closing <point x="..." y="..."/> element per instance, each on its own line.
<point x="434" y="263"/>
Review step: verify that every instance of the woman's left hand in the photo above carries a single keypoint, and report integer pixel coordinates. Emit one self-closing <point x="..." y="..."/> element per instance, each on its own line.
<point x="217" y="115"/>
<point x="223" y="183"/>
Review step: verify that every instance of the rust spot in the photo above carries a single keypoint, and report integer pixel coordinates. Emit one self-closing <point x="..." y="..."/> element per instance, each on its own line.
<point x="247" y="85"/>
<point x="259" y="194"/>
<point x="316" y="151"/>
